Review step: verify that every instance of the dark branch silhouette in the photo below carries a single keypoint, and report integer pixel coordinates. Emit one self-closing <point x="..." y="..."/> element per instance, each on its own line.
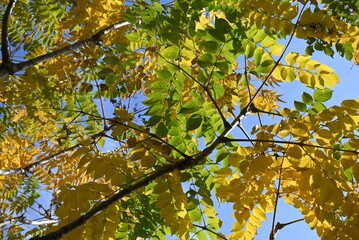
<point x="12" y="68"/>
<point x="5" y="34"/>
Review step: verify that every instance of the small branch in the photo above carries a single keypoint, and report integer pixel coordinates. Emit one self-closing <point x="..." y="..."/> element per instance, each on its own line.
<point x="210" y="230"/>
<point x="30" y="168"/>
<point x="273" y="232"/>
<point x="279" y="225"/>
<point x="205" y="88"/>
<point x="301" y="144"/>
<point x="13" y="68"/>
<point x="22" y="219"/>
<point x="245" y="109"/>
<point x="5" y="34"/>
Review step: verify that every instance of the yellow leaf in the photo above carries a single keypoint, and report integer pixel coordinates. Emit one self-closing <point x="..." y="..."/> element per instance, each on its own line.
<point x="118" y="130"/>
<point x="260" y="214"/>
<point x="291" y="58"/>
<point x="163" y="200"/>
<point x="312" y="64"/>
<point x="210" y="212"/>
<point x="295" y="152"/>
<point x="148" y="160"/>
<point x="324" y="137"/>
<point x="121" y="112"/>
<point x="302" y="61"/>
<point x="276" y="49"/>
<point x="305" y="163"/>
<point x="330" y="79"/>
<point x="255" y="221"/>
<point x="117" y="179"/>
<point x="322" y="69"/>
<point x="160" y="187"/>
<point x="315" y="180"/>
<point x="224" y="172"/>
<point x="348" y="159"/>
<point x="81" y="151"/>
<point x="234" y="159"/>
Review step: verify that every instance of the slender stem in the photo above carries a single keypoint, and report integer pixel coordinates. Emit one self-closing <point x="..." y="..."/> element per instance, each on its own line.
<point x="210" y="230"/>
<point x="273" y="232"/>
<point x="225" y="139"/>
<point x="245" y="109"/>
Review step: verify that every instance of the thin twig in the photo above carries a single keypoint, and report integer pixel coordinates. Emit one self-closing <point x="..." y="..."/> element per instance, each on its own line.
<point x="301" y="144"/>
<point x="210" y="230"/>
<point x="277" y="194"/>
<point x="205" y="88"/>
<point x="30" y="168"/>
<point x="245" y="109"/>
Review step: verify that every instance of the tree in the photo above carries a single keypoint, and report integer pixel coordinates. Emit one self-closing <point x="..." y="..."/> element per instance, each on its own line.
<point x="180" y="78"/>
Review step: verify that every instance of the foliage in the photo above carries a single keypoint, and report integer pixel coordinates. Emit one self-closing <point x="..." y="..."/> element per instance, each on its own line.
<point x="169" y="86"/>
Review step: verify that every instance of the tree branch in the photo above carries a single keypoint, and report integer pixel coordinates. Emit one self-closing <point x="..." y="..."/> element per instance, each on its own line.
<point x="279" y="225"/>
<point x="246" y="108"/>
<point x="183" y="164"/>
<point x="5" y="34"/>
<point x="23" y="220"/>
<point x="301" y="144"/>
<point x="13" y="68"/>
<point x="30" y="168"/>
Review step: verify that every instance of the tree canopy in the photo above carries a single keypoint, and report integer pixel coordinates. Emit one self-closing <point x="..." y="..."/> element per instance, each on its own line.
<point x="166" y="86"/>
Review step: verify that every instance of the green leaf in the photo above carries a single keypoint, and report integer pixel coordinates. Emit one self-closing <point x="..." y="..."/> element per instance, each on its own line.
<point x="309" y="50"/>
<point x="105" y="72"/>
<point x="224" y="66"/>
<point x="194" y="122"/>
<point x="159" y="87"/>
<point x="195" y="215"/>
<point x="258" y="53"/>
<point x="164" y="75"/>
<point x="307" y="98"/>
<point x="153" y="121"/>
<point x="170" y="52"/>
<point x="301" y="107"/>
<point x="249" y="49"/>
<point x="154" y="98"/>
<point x="112" y="60"/>
<point x="161" y="130"/>
<point x="218" y="90"/>
<point x="134" y="37"/>
<point x="222" y="25"/>
<point x="322" y="95"/>
<point x="260" y="35"/>
<point x="203" y="76"/>
<point x="211" y="47"/>
<point x="329" y="51"/>
<point x="206" y="60"/>
<point x="318" y="107"/>
<point x="189" y="107"/>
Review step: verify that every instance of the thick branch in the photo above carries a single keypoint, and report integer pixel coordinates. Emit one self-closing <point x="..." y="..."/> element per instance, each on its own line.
<point x="183" y="164"/>
<point x="13" y="68"/>
<point x="5" y="34"/>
